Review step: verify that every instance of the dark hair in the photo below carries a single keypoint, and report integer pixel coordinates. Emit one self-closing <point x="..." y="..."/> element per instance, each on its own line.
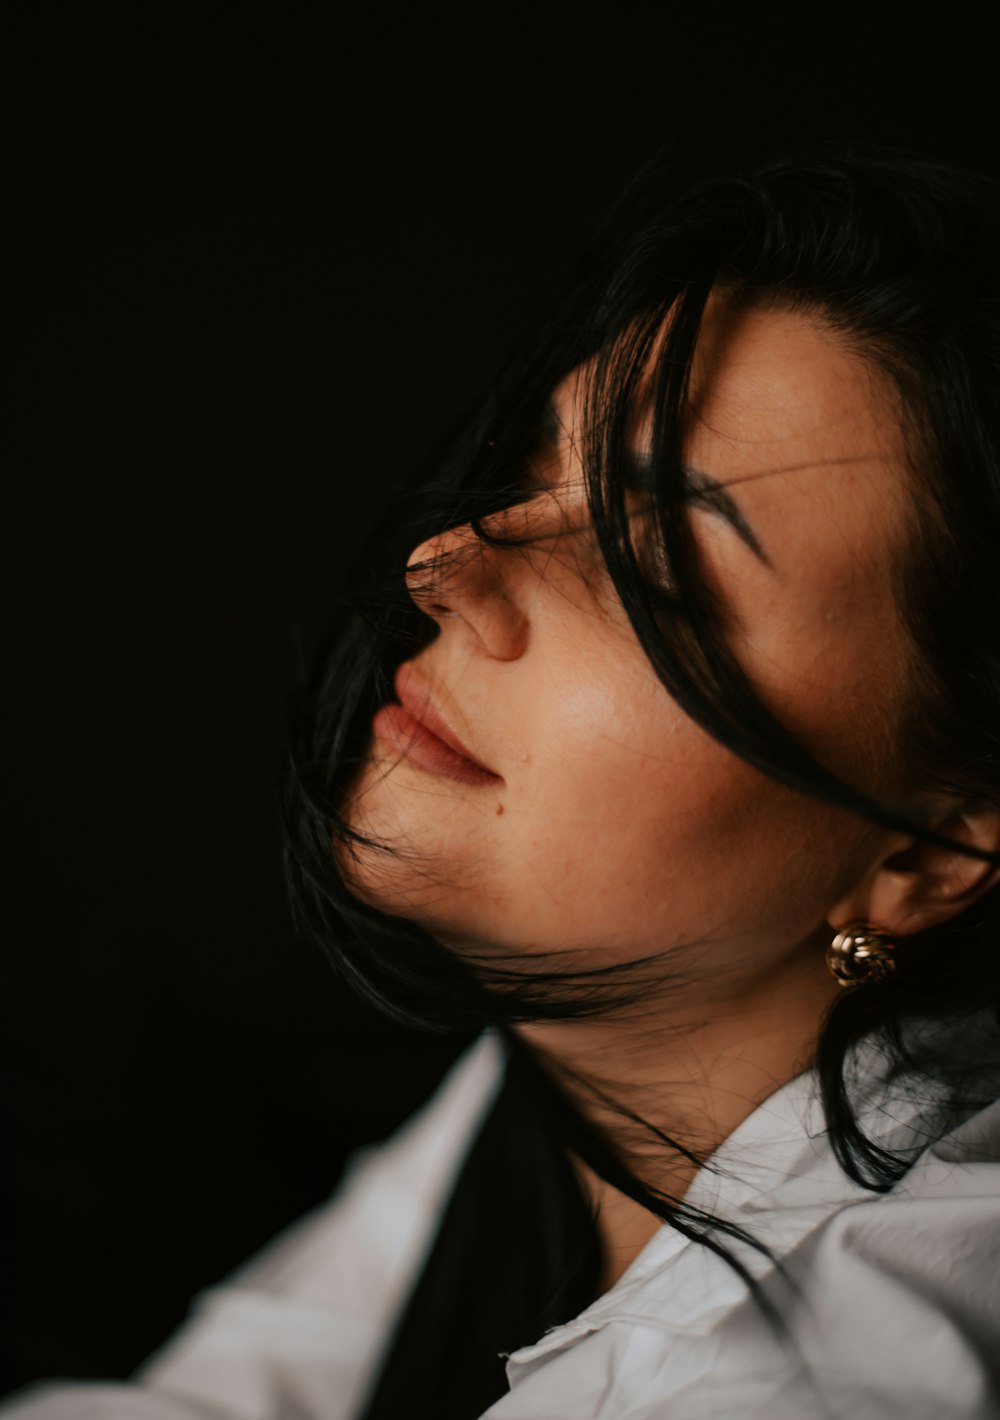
<point x="899" y="255"/>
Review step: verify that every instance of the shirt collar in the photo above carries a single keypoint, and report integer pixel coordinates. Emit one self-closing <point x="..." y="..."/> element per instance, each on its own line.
<point x="778" y="1177"/>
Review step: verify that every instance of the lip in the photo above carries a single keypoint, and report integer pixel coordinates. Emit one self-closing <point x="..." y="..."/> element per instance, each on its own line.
<point x="416" y="729"/>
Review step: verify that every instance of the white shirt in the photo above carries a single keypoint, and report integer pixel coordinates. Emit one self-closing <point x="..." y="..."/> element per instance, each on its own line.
<point x="894" y="1309"/>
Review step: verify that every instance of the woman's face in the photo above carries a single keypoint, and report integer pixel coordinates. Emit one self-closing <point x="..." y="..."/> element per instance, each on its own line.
<point x="609" y="824"/>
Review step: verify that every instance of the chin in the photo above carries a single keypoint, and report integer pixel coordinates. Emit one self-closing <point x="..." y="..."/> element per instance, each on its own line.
<point x="391" y="876"/>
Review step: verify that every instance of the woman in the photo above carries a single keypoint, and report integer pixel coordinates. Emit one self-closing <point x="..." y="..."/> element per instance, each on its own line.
<point x="673" y="759"/>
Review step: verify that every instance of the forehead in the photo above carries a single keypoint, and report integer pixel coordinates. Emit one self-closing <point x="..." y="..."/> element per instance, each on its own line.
<point x="806" y="437"/>
<point x="779" y="394"/>
<point x="803" y="431"/>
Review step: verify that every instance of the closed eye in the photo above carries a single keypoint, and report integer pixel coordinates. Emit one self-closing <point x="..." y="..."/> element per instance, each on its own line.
<point x="701" y="491"/>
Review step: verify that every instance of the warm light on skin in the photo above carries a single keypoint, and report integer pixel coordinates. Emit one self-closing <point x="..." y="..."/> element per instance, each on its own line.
<point x="626" y="829"/>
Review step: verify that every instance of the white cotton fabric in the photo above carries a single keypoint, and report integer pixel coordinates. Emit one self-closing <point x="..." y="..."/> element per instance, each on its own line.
<point x="891" y="1302"/>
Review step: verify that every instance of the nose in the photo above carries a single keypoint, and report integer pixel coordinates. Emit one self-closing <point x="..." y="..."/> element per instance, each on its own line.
<point x="456" y="576"/>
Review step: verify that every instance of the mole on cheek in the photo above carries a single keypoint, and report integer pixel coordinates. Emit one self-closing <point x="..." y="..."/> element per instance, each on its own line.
<point x="499" y="810"/>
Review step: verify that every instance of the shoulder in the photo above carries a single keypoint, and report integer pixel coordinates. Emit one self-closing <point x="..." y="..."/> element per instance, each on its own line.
<point x="888" y="1303"/>
<point x="392" y="1192"/>
<point x="899" y="1292"/>
<point x="300" y="1327"/>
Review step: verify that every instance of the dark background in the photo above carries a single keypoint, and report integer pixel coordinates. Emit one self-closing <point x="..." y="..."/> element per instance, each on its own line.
<point x="248" y="293"/>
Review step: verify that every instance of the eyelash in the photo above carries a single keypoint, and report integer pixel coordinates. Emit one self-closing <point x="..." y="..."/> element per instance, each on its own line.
<point x="648" y="549"/>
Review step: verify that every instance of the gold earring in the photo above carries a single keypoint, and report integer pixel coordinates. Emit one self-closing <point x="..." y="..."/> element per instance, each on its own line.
<point x="860" y="954"/>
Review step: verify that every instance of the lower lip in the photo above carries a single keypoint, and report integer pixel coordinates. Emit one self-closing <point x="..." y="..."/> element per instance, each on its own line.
<point x="397" y="727"/>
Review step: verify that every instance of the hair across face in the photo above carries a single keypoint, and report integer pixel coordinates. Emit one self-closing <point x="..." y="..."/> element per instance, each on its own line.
<point x="739" y="621"/>
<point x="612" y="826"/>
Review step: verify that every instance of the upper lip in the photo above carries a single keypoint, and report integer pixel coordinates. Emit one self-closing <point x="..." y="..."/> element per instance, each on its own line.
<point x="415" y="698"/>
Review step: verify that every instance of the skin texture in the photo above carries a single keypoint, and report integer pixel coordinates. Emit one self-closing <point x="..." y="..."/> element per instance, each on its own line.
<point x="616" y="827"/>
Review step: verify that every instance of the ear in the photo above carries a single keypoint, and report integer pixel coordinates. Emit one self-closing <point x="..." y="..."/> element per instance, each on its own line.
<point x="916" y="884"/>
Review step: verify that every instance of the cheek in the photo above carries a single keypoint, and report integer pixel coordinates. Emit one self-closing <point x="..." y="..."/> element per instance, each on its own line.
<point x="633" y="830"/>
<point x="821" y="638"/>
<point x="627" y="803"/>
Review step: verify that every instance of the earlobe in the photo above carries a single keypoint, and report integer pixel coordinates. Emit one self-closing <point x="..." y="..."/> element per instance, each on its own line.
<point x="920" y="884"/>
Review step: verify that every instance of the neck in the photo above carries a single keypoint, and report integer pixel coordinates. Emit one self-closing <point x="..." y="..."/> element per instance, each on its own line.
<point x="691" y="1070"/>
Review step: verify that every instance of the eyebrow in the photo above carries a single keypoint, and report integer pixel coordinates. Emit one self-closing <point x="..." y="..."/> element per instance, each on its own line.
<point x="703" y="490"/>
<point x="709" y="493"/>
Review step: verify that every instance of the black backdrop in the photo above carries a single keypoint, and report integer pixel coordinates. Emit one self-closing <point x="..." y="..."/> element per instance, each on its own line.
<point x="236" y="321"/>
